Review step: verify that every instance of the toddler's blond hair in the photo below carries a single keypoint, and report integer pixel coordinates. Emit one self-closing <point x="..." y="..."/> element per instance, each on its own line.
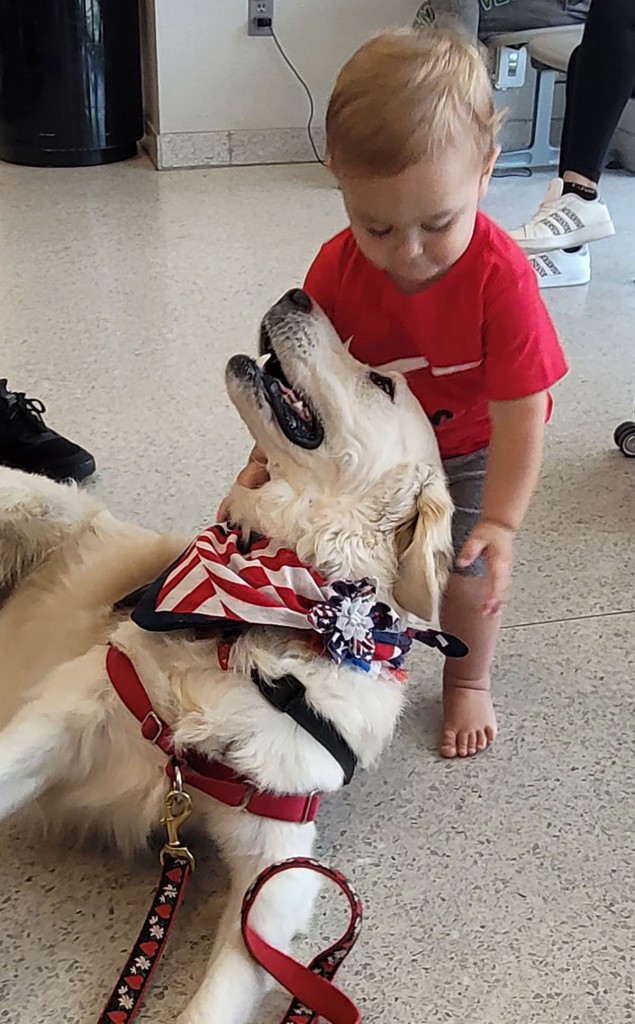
<point x="405" y="95"/>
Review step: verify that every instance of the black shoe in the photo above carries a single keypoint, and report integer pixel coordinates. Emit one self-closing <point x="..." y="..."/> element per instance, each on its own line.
<point x="27" y="443"/>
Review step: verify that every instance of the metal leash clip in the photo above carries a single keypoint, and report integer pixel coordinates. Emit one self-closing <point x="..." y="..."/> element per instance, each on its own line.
<point x="178" y="806"/>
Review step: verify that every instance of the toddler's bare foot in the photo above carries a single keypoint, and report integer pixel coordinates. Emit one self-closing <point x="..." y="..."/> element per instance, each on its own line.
<point x="469" y="721"/>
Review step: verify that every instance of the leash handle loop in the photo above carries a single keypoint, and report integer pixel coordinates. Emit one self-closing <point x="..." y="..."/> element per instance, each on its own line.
<point x="312" y="988"/>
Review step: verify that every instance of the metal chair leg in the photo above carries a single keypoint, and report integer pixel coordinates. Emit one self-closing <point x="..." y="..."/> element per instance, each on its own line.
<point x="540" y="152"/>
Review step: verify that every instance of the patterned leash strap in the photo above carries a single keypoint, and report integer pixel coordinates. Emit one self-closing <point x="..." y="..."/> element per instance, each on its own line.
<point x="312" y="987"/>
<point x="178" y="863"/>
<point x="126" y="997"/>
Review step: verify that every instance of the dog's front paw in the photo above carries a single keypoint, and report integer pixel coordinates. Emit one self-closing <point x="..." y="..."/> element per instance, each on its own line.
<point x="194" y="1018"/>
<point x="230" y="992"/>
<point x="188" y="1018"/>
<point x="198" y="1015"/>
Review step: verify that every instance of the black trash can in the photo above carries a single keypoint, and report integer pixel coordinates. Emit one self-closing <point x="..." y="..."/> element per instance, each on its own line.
<point x="70" y="81"/>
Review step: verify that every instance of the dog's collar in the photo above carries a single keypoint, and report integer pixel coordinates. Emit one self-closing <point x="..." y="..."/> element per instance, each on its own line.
<point x="211" y="777"/>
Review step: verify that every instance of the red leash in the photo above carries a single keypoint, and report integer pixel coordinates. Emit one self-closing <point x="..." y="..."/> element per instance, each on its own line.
<point x="312" y="988"/>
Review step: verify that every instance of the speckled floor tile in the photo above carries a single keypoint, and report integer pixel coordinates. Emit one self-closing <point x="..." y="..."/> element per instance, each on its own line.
<point x="496" y="891"/>
<point x="124" y="291"/>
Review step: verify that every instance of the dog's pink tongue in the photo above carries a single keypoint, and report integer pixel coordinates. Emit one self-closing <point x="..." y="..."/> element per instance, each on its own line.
<point x="296" y="403"/>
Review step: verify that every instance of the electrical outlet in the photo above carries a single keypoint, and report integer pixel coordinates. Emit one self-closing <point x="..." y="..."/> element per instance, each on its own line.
<point x="260" y="14"/>
<point x="510" y="67"/>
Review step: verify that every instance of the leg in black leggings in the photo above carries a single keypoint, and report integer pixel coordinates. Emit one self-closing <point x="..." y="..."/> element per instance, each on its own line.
<point x="600" y="81"/>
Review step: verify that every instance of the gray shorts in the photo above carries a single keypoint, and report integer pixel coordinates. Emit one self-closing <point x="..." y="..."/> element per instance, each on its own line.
<point x="466" y="477"/>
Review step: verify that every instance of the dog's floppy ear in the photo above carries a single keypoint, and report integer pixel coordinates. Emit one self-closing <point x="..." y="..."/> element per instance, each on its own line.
<point x="424" y="547"/>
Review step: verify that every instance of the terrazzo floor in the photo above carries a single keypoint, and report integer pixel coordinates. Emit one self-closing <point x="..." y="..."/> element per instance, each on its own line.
<point x="497" y="891"/>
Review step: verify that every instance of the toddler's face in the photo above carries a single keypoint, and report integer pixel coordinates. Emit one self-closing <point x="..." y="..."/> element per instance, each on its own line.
<point x="417" y="224"/>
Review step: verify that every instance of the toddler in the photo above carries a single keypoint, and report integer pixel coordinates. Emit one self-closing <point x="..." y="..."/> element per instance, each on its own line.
<point x="426" y="284"/>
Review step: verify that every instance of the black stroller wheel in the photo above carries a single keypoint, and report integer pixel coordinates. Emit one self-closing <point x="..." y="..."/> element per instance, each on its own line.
<point x="627" y="442"/>
<point x="622" y="431"/>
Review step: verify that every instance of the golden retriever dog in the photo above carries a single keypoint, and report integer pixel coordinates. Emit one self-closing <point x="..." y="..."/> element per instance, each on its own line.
<point x="356" y="491"/>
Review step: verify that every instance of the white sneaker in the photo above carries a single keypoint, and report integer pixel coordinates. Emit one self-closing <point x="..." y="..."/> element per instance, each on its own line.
<point x="561" y="269"/>
<point x="564" y="221"/>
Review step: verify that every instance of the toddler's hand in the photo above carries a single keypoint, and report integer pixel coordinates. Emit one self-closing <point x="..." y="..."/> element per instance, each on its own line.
<point x="253" y="476"/>
<point x="495" y="542"/>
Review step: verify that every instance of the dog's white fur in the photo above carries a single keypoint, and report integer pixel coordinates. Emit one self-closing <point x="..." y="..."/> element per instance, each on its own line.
<point x="371" y="500"/>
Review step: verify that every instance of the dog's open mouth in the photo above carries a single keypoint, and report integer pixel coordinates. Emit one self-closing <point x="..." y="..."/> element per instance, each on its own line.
<point x="293" y="411"/>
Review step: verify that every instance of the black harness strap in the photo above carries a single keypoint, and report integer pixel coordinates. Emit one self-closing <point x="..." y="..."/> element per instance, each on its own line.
<point x="287" y="694"/>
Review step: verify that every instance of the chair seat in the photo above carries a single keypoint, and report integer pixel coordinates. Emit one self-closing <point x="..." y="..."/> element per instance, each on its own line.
<point x="555" y="48"/>
<point x="519" y="38"/>
<point x="549" y="46"/>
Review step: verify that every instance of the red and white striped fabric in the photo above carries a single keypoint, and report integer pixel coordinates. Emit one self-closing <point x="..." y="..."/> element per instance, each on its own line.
<point x="218" y="581"/>
<point x="266" y="585"/>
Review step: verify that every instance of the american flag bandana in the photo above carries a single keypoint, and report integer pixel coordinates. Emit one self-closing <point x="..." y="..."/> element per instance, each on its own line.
<point x="218" y="582"/>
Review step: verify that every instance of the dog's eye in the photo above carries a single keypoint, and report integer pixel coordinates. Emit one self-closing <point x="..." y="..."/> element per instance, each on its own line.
<point x="386" y="384"/>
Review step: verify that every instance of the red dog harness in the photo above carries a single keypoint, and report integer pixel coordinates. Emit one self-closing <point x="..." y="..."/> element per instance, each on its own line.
<point x="220" y="582"/>
<point x="198" y="771"/>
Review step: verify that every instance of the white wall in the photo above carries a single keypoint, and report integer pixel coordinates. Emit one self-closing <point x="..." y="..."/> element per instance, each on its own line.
<point x="213" y="77"/>
<point x="214" y="80"/>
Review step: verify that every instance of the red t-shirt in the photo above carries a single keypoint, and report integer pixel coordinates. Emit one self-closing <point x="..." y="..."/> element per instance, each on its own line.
<point x="481" y="334"/>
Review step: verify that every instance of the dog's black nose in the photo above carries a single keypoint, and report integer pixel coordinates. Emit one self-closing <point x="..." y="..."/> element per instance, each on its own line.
<point x="299" y="298"/>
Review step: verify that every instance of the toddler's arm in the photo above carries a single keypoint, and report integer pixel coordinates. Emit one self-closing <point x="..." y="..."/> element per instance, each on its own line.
<point x="514" y="459"/>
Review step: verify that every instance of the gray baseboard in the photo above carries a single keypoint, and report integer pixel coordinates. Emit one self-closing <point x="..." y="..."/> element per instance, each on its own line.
<point x="173" y="150"/>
